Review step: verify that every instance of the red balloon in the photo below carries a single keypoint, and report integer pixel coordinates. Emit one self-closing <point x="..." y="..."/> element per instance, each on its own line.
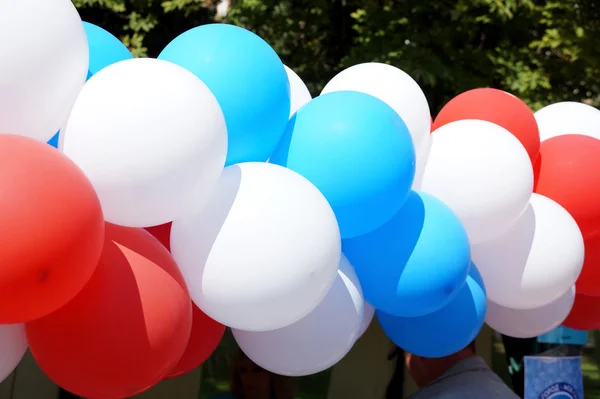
<point x="51" y="229"/>
<point x="162" y="233"/>
<point x="498" y="107"/>
<point x="206" y="336"/>
<point x="585" y="314"/>
<point x="206" y="333"/>
<point x="567" y="172"/>
<point x="128" y="327"/>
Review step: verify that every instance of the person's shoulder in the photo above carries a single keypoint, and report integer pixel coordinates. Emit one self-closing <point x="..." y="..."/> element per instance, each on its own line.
<point x="494" y="387"/>
<point x="461" y="388"/>
<point x="480" y="381"/>
<point x="469" y="379"/>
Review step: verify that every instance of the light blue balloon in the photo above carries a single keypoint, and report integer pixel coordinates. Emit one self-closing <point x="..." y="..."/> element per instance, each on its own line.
<point x="414" y="264"/>
<point x="357" y="151"/>
<point x="54" y="140"/>
<point x="446" y="331"/>
<point x="105" y="49"/>
<point x="247" y="78"/>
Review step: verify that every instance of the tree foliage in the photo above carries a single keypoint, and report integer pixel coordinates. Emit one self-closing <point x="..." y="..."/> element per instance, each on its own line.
<point x="542" y="51"/>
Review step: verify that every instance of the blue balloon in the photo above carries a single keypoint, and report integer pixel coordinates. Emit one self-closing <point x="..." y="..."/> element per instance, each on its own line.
<point x="105" y="49"/>
<point x="414" y="264"/>
<point x="446" y="331"/>
<point x="357" y="151"/>
<point x="247" y="78"/>
<point x="54" y="140"/>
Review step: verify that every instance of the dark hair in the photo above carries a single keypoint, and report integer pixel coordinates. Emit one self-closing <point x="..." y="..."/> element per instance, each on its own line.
<point x="395" y="388"/>
<point x="472" y="346"/>
<point x="281" y="386"/>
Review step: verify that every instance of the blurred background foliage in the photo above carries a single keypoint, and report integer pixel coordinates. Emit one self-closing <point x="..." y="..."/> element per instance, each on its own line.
<point x="541" y="51"/>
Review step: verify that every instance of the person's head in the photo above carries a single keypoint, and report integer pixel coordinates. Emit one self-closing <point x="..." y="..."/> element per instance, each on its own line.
<point x="426" y="370"/>
<point x="251" y="381"/>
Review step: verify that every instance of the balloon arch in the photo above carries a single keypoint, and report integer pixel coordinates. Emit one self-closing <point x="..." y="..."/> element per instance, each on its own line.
<point x="290" y="219"/>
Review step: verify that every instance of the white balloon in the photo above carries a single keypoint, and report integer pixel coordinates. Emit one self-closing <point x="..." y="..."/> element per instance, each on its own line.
<point x="298" y="91"/>
<point x="43" y="65"/>
<point x="529" y="323"/>
<point x="422" y="158"/>
<point x="152" y="139"/>
<point x="369" y="313"/>
<point x="536" y="261"/>
<point x="317" y="341"/>
<point x="263" y="252"/>
<point x="13" y="345"/>
<point x="393" y="86"/>
<point x="568" y="118"/>
<point x="482" y="172"/>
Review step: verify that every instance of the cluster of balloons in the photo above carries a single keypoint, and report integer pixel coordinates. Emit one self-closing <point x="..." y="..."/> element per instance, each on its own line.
<point x="543" y="271"/>
<point x="206" y="189"/>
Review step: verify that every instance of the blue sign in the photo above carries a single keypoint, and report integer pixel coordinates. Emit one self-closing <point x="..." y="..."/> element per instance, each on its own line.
<point x="553" y="378"/>
<point x="564" y="335"/>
